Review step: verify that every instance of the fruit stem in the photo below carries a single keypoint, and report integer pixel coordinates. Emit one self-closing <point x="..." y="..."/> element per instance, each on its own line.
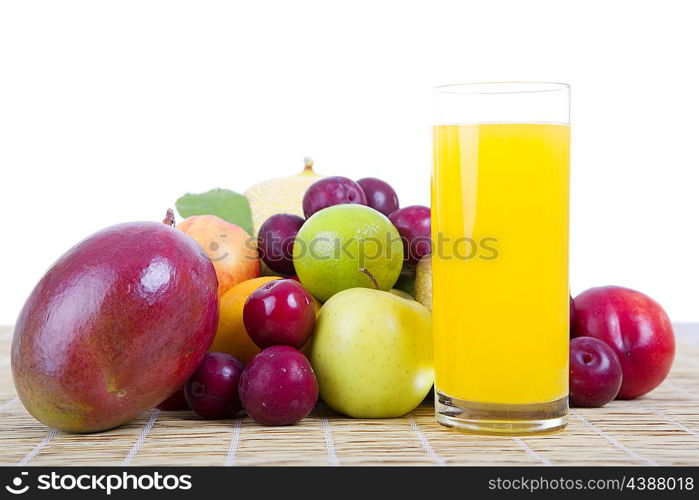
<point x="169" y="219"/>
<point x="307" y="164"/>
<point x="371" y="277"/>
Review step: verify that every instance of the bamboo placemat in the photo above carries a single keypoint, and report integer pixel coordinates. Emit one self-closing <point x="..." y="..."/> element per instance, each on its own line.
<point x="659" y="429"/>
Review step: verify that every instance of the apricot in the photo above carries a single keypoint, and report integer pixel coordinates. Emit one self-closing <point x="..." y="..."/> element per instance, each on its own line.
<point x="230" y="248"/>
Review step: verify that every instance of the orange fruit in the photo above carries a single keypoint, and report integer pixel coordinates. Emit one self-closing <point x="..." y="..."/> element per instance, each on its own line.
<point x="231" y="336"/>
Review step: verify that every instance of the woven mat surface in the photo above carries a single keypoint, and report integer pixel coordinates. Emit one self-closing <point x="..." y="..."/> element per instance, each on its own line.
<point x="659" y="429"/>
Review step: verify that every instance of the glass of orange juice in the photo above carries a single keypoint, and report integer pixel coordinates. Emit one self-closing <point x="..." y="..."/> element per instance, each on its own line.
<point x="500" y="256"/>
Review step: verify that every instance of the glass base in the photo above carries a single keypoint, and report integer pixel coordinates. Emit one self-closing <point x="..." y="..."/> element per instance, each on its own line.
<point x="500" y="419"/>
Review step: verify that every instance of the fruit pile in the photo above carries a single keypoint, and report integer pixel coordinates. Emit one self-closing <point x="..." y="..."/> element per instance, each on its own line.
<point x="304" y="287"/>
<point x="370" y="347"/>
<point x="202" y="316"/>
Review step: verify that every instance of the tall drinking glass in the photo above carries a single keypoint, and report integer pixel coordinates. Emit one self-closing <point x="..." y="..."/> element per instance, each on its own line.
<point x="500" y="256"/>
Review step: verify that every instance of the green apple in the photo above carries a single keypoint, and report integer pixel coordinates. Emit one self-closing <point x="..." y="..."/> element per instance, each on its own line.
<point x="337" y="246"/>
<point x="372" y="353"/>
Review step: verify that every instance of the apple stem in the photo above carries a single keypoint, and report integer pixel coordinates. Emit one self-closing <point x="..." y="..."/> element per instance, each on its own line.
<point x="371" y="277"/>
<point x="169" y="219"/>
<point x="307" y="164"/>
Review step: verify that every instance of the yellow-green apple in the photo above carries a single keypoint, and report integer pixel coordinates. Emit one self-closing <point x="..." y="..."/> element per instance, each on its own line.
<point x="372" y="353"/>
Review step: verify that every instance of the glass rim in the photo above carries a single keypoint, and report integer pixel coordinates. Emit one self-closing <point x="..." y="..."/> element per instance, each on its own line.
<point x="499" y="88"/>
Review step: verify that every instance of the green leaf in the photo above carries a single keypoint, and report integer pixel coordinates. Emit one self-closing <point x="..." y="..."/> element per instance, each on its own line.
<point x="228" y="205"/>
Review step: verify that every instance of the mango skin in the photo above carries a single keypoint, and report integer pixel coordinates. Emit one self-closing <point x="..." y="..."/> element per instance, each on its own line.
<point x="114" y="327"/>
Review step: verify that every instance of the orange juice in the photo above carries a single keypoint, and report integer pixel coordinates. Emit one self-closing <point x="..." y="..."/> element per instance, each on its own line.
<point x="500" y="262"/>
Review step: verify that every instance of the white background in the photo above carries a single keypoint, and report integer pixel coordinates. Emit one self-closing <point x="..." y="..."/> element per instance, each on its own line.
<point x="111" y="110"/>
